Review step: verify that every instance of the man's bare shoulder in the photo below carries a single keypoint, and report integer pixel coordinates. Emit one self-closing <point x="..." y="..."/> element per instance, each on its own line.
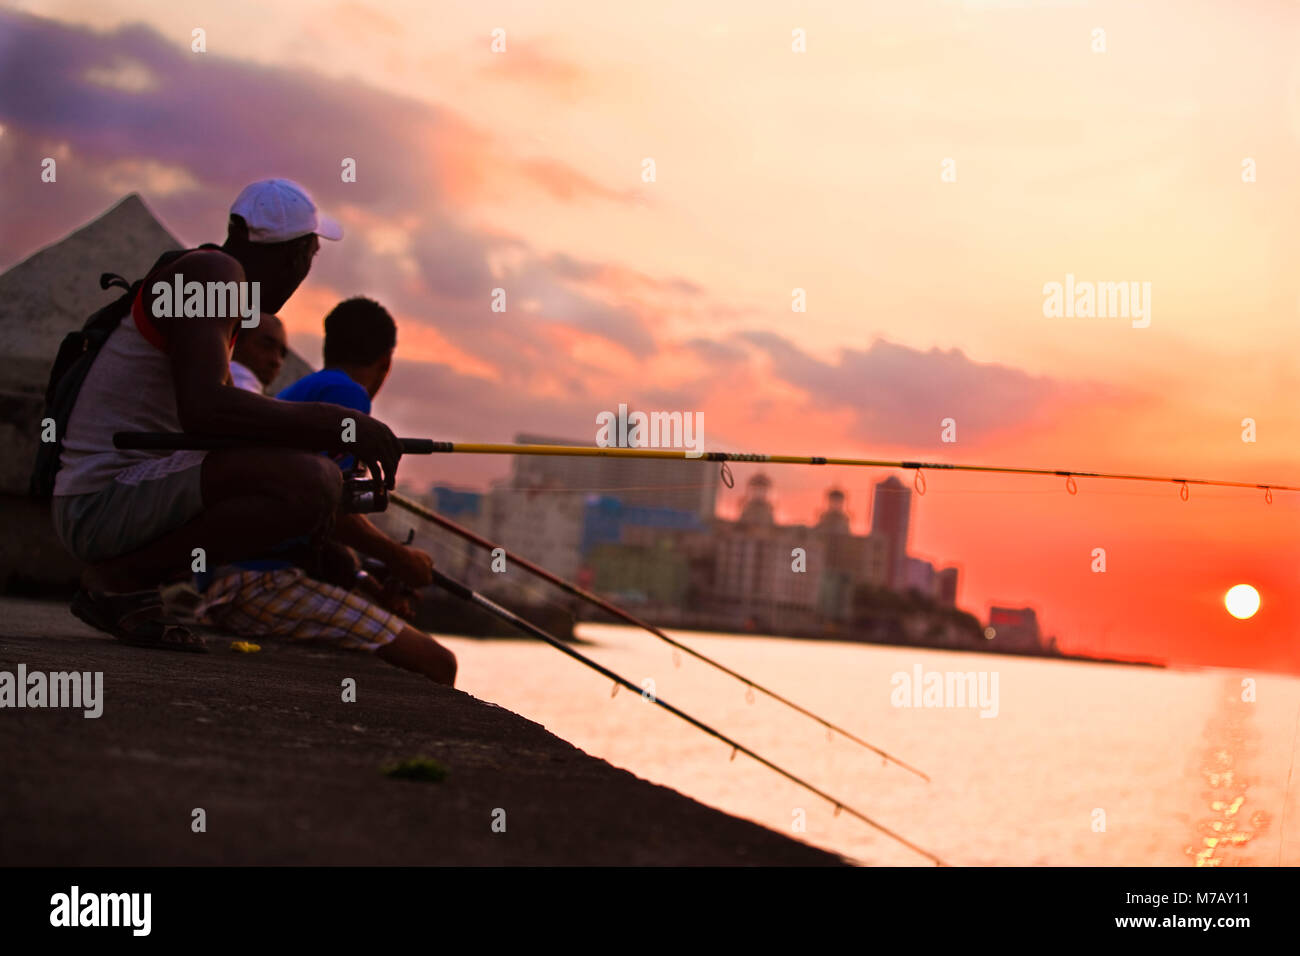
<point x="205" y="265"/>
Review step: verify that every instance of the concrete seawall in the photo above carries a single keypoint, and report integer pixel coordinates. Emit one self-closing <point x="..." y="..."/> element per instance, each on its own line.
<point x="285" y="772"/>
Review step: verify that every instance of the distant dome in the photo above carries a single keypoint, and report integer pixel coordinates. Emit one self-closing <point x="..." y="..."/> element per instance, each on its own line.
<point x="834" y="519"/>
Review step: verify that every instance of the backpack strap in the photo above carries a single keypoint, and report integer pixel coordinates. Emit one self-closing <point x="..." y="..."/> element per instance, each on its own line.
<point x="109" y="280"/>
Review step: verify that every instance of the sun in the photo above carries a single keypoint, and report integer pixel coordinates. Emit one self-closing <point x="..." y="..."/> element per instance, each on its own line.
<point x="1242" y="601"/>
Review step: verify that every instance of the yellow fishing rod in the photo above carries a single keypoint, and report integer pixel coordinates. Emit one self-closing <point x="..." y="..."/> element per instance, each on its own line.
<point x="586" y="451"/>
<point x="425" y="446"/>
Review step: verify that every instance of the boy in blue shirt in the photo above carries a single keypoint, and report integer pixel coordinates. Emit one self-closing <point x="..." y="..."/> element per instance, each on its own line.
<point x="276" y="599"/>
<point x="360" y="338"/>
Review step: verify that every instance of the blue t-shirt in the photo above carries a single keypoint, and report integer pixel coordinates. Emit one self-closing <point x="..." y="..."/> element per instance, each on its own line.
<point x="328" y="385"/>
<point x="333" y="386"/>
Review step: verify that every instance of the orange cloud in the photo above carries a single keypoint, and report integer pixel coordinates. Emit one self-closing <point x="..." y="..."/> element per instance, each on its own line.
<point x="525" y="63"/>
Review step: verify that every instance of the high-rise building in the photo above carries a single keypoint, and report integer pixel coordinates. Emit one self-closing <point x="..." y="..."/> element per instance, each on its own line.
<point x="758" y="573"/>
<point x="891" y="510"/>
<point x="679" y="484"/>
<point x="543" y="524"/>
<point x="609" y="520"/>
<point x="657" y="573"/>
<point x="945" y="586"/>
<point x="847" y="559"/>
<point x="919" y="577"/>
<point x="754" y="559"/>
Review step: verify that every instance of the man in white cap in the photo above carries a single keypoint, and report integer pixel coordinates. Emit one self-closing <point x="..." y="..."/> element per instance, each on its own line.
<point x="141" y="518"/>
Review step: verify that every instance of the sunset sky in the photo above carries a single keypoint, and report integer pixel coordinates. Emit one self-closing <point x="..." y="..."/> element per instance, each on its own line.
<point x="775" y="170"/>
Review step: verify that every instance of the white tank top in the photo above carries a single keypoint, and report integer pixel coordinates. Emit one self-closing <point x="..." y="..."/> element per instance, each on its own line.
<point x="129" y="388"/>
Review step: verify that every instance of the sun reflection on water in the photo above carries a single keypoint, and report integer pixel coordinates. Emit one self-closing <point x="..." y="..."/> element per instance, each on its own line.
<point x="1231" y="823"/>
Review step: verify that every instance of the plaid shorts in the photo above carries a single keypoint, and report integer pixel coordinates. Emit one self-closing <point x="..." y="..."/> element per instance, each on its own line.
<point x="287" y="603"/>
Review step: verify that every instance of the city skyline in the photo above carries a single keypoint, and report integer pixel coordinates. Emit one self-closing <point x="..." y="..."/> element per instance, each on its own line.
<point x="686" y="569"/>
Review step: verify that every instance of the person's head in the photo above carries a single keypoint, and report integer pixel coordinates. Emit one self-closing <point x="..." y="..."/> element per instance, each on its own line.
<point x="273" y="232"/>
<point x="360" y="337"/>
<point x="262" y="349"/>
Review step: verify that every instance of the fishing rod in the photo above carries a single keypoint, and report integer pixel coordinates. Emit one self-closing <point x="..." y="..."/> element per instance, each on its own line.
<point x="587" y="451"/>
<point x="424" y="446"/>
<point x="487" y="604"/>
<point x="429" y="515"/>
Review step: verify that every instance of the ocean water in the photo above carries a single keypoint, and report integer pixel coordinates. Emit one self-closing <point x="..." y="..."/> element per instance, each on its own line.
<point x="1082" y="764"/>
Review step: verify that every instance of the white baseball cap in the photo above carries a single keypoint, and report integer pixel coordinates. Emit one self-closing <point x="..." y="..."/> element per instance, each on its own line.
<point x="278" y="210"/>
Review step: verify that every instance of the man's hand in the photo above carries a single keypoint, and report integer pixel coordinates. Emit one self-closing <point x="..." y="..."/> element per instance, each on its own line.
<point x="413" y="568"/>
<point x="373" y="441"/>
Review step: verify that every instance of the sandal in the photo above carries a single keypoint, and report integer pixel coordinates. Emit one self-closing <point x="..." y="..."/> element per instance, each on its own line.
<point x="136" y="618"/>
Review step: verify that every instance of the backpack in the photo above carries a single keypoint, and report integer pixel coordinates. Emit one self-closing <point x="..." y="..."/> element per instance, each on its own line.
<point x="76" y="355"/>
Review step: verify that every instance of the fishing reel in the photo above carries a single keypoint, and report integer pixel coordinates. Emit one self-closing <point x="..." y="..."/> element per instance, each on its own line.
<point x="365" y="490"/>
